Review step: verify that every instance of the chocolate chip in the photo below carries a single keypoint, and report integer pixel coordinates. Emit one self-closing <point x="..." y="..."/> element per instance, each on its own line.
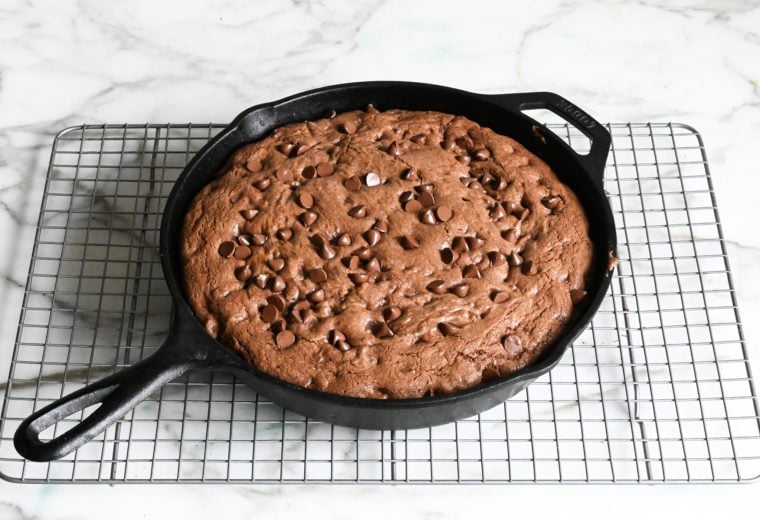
<point x="551" y="202"/>
<point x="406" y="197"/>
<point x="335" y="336"/>
<point x="357" y="211"/>
<point x="277" y="301"/>
<point x="529" y="268"/>
<point x="408" y="242"/>
<point x="383" y="331"/>
<point x="510" y="235"/>
<point x="577" y="296"/>
<point x="307" y="314"/>
<point x="381" y="226"/>
<point x="372" y="179"/>
<point x="317" y="296"/>
<point x="460" y="245"/>
<point x="269" y="313"/>
<point x="352" y="262"/>
<point x="409" y="174"/>
<point x="284" y="175"/>
<point x="243" y="273"/>
<point x="305" y="200"/>
<point x="300" y="149"/>
<point x="261" y="280"/>
<point x="372" y="236"/>
<point x="262" y="184"/>
<point x="285" y="234"/>
<point x="331" y="114"/>
<point x="498" y="213"/>
<point x="443" y="213"/>
<point x="276" y="264"/>
<point x="475" y="185"/>
<point x="511" y="343"/>
<point x="253" y="165"/>
<point x="325" y="168"/>
<point x="364" y="253"/>
<point x="428" y="217"/>
<point x="465" y="141"/>
<point x="277" y="284"/>
<point x="359" y="278"/>
<point x="353" y="183"/>
<point x="242" y="252"/>
<point x="426" y="199"/>
<point x="308" y="218"/>
<point x="437" y="287"/>
<point x="227" y="248"/>
<point x="342" y="346"/>
<point x="499" y="183"/>
<point x="497" y="258"/>
<point x="371" y="109"/>
<point x="391" y="313"/>
<point x="249" y="214"/>
<point x="482" y="154"/>
<point x="460" y="290"/>
<point x="509" y="206"/>
<point x="317" y="275"/>
<point x="448" y="144"/>
<point x="474" y="242"/>
<point x="258" y="239"/>
<point x="514" y="259"/>
<point x="348" y="127"/>
<point x="245" y="240"/>
<point x="424" y="188"/>
<point x="447" y="255"/>
<point x="300" y="306"/>
<point x="285" y="338"/>
<point x="309" y="172"/>
<point x="412" y="206"/>
<point x="373" y="265"/>
<point x="278" y="326"/>
<point x="464" y="159"/>
<point x="499" y="296"/>
<point x="471" y="271"/>
<point x="327" y="252"/>
<point x="394" y="149"/>
<point x="285" y="148"/>
<point x="447" y="329"/>
<point x="343" y="240"/>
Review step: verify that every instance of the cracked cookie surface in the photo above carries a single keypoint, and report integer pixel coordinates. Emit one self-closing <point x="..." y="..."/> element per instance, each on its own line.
<point x="390" y="254"/>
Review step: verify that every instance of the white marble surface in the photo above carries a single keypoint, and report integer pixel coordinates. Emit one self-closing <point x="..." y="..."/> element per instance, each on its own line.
<point x="69" y="62"/>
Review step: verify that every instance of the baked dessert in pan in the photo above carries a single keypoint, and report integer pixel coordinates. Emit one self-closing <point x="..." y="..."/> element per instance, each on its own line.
<point x="391" y="254"/>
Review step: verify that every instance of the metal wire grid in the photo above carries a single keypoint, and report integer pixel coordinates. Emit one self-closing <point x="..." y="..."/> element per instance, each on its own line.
<point x="658" y="389"/>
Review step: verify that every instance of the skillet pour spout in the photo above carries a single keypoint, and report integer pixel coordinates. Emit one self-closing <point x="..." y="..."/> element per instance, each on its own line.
<point x="189" y="348"/>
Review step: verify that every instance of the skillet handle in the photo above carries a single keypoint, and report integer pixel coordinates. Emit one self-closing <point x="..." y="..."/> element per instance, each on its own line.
<point x="596" y="159"/>
<point x="118" y="394"/>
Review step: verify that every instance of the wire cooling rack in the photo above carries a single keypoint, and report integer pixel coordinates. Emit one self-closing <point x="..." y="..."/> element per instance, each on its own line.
<point x="658" y="389"/>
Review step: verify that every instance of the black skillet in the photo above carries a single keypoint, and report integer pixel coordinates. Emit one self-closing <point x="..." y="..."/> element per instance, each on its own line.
<point x="189" y="348"/>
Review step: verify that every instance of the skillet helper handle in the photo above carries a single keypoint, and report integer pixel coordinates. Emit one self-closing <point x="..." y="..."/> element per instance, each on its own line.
<point x="117" y="395"/>
<point x="600" y="138"/>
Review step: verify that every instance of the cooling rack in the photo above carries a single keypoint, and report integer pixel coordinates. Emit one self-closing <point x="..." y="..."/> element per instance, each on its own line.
<point x="657" y="389"/>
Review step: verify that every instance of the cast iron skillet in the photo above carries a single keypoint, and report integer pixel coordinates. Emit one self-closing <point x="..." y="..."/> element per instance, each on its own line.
<point x="189" y="348"/>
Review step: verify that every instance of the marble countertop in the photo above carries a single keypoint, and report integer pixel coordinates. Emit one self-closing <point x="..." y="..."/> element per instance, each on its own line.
<point x="71" y="62"/>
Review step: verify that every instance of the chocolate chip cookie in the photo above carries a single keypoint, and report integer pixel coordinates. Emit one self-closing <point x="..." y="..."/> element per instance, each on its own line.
<point x="391" y="254"/>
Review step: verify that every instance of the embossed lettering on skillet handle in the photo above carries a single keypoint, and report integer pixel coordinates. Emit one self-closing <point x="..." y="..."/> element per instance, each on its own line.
<point x="596" y="159"/>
